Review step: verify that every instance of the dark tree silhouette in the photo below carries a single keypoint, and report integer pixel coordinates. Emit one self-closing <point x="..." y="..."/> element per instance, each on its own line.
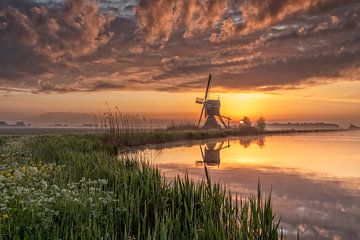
<point x="261" y="123"/>
<point x="246" y="122"/>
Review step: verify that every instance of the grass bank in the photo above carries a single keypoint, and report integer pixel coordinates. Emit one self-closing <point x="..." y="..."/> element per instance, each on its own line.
<point x="134" y="138"/>
<point x="130" y="139"/>
<point x="74" y="187"/>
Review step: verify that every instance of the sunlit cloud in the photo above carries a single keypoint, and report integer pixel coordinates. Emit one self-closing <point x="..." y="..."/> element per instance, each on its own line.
<point x="173" y="45"/>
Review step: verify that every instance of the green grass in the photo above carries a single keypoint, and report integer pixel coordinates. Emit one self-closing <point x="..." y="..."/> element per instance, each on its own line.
<point x="74" y="187"/>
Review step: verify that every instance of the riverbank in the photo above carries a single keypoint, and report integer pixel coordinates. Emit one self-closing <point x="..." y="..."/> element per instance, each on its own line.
<point x="133" y="138"/>
<point x="136" y="139"/>
<point x="73" y="186"/>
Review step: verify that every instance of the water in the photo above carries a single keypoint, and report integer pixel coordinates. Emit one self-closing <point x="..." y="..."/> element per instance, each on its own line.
<point x="314" y="178"/>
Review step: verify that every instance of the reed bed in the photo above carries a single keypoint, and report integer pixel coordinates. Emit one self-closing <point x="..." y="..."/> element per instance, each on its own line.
<point x="116" y="123"/>
<point x="181" y="125"/>
<point x="74" y="187"/>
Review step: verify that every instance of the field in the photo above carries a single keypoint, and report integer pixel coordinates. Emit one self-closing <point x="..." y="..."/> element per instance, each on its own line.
<point x="76" y="187"/>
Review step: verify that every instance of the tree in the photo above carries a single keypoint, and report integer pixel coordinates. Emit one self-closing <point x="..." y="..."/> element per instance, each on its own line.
<point x="246" y="122"/>
<point x="261" y="123"/>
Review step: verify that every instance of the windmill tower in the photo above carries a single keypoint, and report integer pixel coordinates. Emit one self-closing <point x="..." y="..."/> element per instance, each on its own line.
<point x="212" y="110"/>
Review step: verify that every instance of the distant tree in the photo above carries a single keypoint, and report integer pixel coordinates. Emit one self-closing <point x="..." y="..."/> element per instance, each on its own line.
<point x="261" y="123"/>
<point x="246" y="122"/>
<point x="352" y="126"/>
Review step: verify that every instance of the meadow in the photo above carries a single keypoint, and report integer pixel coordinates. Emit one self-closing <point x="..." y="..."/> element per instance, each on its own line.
<point x="76" y="187"/>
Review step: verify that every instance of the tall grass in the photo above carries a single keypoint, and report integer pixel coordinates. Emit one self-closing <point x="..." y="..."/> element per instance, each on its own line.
<point x="116" y="123"/>
<point x="181" y="125"/>
<point x="86" y="192"/>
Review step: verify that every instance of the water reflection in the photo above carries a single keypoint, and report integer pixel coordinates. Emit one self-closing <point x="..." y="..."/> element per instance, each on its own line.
<point x="247" y="141"/>
<point x="211" y="153"/>
<point x="314" y="179"/>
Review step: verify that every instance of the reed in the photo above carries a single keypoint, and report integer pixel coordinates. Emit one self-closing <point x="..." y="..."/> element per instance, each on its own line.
<point x="181" y="126"/>
<point x="74" y="187"/>
<point x="115" y="123"/>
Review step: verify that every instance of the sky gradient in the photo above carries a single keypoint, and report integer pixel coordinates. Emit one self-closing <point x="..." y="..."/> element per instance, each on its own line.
<point x="286" y="60"/>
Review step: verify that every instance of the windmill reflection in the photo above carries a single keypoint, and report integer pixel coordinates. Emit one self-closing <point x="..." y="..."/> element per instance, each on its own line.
<point x="211" y="153"/>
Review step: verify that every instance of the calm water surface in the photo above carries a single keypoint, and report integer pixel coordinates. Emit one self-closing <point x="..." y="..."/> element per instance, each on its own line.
<point x="315" y="178"/>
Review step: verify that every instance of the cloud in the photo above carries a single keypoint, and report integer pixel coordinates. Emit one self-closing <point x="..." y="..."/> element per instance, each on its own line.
<point x="158" y="19"/>
<point x="82" y="84"/>
<point x="75" y="29"/>
<point x="173" y="45"/>
<point x="258" y="14"/>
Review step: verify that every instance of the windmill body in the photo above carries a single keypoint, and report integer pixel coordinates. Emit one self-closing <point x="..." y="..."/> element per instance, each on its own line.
<point x="211" y="107"/>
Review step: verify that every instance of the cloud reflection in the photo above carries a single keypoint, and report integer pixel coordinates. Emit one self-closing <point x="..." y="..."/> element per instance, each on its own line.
<point x="319" y="206"/>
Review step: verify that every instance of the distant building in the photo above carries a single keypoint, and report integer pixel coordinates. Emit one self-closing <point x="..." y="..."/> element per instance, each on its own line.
<point x="20" y="124"/>
<point x="3" y="123"/>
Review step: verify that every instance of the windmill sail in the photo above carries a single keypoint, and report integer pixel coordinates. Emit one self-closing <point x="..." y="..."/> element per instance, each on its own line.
<point x="222" y="121"/>
<point x="205" y="98"/>
<point x="199" y="100"/>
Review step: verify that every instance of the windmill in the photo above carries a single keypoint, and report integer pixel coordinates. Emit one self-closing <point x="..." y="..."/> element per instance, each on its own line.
<point x="212" y="110"/>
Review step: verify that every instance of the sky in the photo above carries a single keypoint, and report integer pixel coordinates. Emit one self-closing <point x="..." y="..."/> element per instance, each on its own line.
<point x="286" y="60"/>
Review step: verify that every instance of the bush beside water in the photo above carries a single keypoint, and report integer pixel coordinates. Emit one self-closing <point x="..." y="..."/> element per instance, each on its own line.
<point x="75" y="187"/>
